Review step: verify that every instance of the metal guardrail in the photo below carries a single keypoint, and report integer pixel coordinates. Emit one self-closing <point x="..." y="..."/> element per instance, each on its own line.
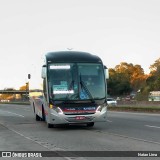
<point x="138" y="103"/>
<point x="14" y="92"/>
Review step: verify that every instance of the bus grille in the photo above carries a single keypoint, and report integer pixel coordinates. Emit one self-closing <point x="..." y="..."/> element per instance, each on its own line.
<point x="73" y="119"/>
<point x="78" y="113"/>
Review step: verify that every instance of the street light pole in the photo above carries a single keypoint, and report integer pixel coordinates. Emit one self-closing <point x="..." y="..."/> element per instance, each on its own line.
<point x="27" y="90"/>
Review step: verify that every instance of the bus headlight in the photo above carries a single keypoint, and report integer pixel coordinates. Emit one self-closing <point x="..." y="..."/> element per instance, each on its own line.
<point x="99" y="108"/>
<point x="55" y="108"/>
<point x="58" y="110"/>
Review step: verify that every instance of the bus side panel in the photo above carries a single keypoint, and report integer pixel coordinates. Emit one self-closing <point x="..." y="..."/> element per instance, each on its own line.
<point x="35" y="94"/>
<point x="36" y="102"/>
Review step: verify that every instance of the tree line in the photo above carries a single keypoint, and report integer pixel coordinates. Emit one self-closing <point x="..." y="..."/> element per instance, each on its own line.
<point x="127" y="78"/>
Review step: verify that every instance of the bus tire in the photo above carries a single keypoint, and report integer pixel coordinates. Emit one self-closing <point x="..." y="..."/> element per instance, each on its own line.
<point x="49" y="125"/>
<point x="91" y="124"/>
<point x="43" y="115"/>
<point x="37" y="118"/>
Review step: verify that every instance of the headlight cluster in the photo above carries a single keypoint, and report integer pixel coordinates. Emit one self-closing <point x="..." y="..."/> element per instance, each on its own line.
<point x="99" y="108"/>
<point x="57" y="109"/>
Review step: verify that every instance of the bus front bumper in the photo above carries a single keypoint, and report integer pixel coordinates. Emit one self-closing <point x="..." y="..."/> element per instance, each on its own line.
<point x="56" y="118"/>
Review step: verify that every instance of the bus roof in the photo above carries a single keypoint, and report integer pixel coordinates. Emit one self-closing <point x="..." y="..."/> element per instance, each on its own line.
<point x="72" y="56"/>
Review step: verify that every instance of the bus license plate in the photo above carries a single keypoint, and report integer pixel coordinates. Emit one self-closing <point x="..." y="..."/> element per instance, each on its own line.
<point x="80" y="118"/>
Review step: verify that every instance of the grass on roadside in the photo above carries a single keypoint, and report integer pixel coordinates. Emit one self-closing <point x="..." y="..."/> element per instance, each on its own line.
<point x="149" y="109"/>
<point x="20" y="103"/>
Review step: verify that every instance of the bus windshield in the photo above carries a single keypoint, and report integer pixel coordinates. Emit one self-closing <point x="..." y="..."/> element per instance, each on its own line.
<point x="76" y="81"/>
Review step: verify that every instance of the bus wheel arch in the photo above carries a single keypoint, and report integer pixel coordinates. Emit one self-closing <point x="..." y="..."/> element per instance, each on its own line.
<point x="33" y="107"/>
<point x="43" y="114"/>
<point x="36" y="116"/>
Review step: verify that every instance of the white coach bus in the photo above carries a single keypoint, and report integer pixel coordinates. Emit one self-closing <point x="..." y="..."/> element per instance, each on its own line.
<point x="73" y="89"/>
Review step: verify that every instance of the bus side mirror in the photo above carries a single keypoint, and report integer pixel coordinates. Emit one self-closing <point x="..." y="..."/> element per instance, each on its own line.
<point x="106" y="72"/>
<point x="43" y="73"/>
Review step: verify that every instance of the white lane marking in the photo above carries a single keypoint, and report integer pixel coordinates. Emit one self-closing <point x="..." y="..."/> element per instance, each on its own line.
<point x="109" y="121"/>
<point x="124" y="136"/>
<point x="152" y="126"/>
<point x="27" y="110"/>
<point x="56" y="149"/>
<point x="134" y="138"/>
<point x="14" y="113"/>
<point x="23" y="109"/>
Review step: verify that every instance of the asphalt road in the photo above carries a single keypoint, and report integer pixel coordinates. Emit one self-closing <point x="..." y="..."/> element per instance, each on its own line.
<point x="122" y="132"/>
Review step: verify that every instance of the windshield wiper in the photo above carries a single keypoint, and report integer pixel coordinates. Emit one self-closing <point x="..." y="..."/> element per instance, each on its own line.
<point x="70" y="87"/>
<point x="86" y="89"/>
<point x="51" y="92"/>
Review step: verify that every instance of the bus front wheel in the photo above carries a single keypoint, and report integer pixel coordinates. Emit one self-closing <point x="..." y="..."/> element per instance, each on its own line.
<point x="37" y="118"/>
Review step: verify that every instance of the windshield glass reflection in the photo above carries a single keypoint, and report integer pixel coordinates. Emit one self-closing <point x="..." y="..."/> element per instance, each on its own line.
<point x="76" y="81"/>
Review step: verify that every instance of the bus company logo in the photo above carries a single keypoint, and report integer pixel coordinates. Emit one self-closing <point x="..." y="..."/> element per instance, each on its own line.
<point x="6" y="154"/>
<point x="89" y="108"/>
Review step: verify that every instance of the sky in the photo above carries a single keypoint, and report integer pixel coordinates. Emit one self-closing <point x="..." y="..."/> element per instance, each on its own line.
<point x="115" y="30"/>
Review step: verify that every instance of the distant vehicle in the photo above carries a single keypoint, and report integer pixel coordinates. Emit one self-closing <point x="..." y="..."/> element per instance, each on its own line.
<point x="128" y="98"/>
<point x="154" y="96"/>
<point x="111" y="102"/>
<point x="5" y="100"/>
<point x="73" y="89"/>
